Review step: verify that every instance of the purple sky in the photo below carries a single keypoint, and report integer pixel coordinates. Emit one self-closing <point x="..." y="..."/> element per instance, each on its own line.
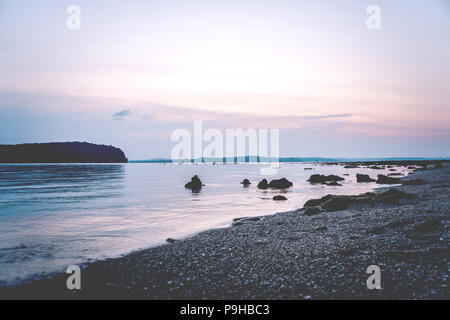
<point x="137" y="70"/>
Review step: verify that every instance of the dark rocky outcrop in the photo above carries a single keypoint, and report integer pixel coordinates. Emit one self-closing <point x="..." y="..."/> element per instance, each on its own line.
<point x="336" y="203"/>
<point x="414" y="182"/>
<point x="318" y="178"/>
<point x="280" y="184"/>
<point x="376" y="167"/>
<point x="351" y="166"/>
<point x="382" y="179"/>
<point x="279" y="198"/>
<point x="312" y="211"/>
<point x="246" y="183"/>
<point x="364" y="178"/>
<point x="68" y="152"/>
<point x="195" y="184"/>
<point x="263" y="185"/>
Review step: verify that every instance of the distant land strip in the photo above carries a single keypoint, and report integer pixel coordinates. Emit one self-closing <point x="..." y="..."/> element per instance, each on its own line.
<point x="248" y="159"/>
<point x="61" y="152"/>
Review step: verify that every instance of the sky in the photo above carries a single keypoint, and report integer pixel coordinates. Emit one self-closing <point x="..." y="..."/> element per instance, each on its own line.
<point x="138" y="70"/>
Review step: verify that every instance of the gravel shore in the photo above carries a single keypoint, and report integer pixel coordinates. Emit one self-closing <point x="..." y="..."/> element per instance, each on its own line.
<point x="288" y="256"/>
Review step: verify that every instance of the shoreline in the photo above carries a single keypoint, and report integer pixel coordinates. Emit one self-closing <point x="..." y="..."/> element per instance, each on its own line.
<point x="286" y="255"/>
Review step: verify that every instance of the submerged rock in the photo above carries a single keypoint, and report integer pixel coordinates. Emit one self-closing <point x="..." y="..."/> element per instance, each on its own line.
<point x="279" y="198"/>
<point x="318" y="178"/>
<point x="382" y="179"/>
<point x="246" y="183"/>
<point x="280" y="184"/>
<point x="263" y="185"/>
<point x="364" y="178"/>
<point x="333" y="184"/>
<point x="195" y="184"/>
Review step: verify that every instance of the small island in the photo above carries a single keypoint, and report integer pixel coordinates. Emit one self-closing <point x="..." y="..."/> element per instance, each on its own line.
<point x="57" y="152"/>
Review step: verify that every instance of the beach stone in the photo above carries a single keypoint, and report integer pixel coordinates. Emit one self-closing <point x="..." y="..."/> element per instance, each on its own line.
<point x="364" y="178"/>
<point x="312" y="211"/>
<point x="280" y="184"/>
<point x="195" y="184"/>
<point x="263" y="185"/>
<point x="382" y="179"/>
<point x="170" y="240"/>
<point x="246" y="182"/>
<point x="279" y="198"/>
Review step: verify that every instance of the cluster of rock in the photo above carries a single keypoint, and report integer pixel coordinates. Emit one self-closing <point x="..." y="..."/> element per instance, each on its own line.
<point x="330" y="180"/>
<point x="275" y="184"/>
<point x="332" y="203"/>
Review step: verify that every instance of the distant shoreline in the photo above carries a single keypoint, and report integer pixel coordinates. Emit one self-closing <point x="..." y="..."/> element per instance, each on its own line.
<point x="61" y="152"/>
<point x="299" y="160"/>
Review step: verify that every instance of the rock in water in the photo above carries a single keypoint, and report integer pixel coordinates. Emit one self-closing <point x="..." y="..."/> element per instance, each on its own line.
<point x="195" y="184"/>
<point x="318" y="178"/>
<point x="280" y="184"/>
<point x="279" y="198"/>
<point x="364" y="178"/>
<point x="333" y="184"/>
<point x="263" y="185"/>
<point x="382" y="179"/>
<point x="246" y="183"/>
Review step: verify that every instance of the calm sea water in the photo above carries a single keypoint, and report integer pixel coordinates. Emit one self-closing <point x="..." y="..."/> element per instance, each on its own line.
<point x="52" y="216"/>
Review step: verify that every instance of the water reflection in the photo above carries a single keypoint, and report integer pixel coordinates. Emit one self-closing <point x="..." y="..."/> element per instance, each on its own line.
<point x="50" y="185"/>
